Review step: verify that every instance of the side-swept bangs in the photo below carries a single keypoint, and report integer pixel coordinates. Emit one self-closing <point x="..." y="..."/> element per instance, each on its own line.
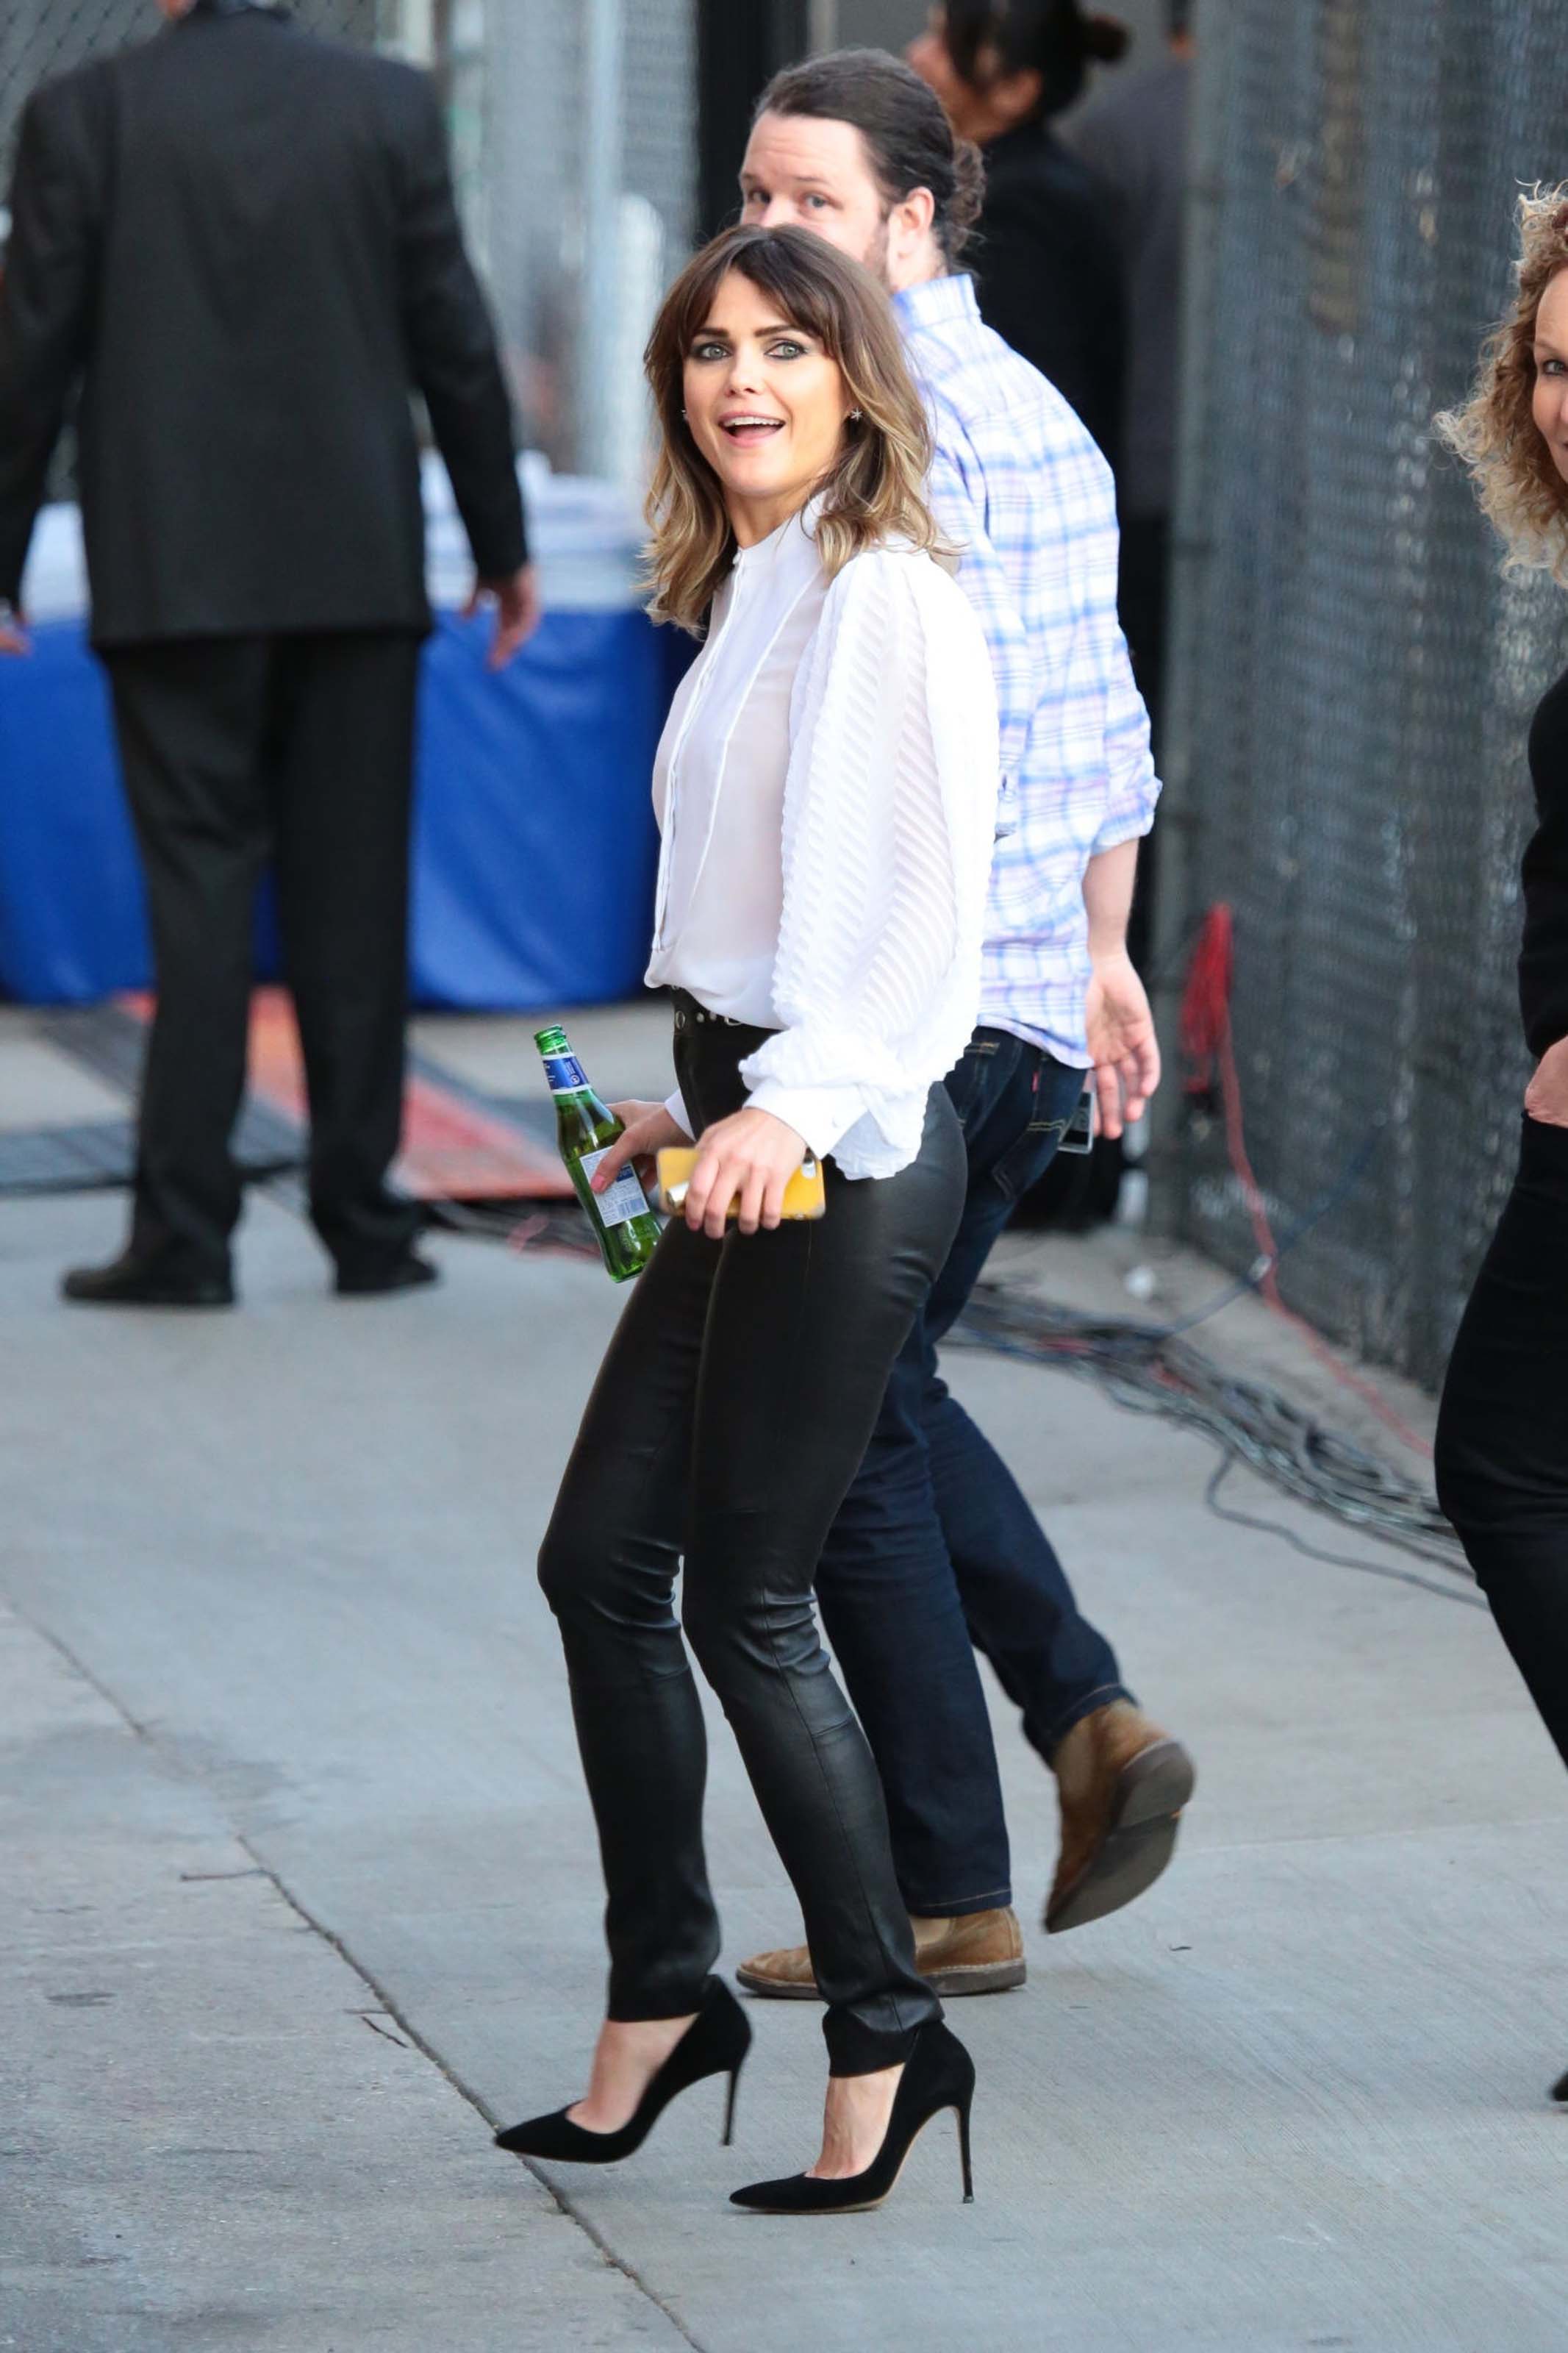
<point x="875" y="490"/>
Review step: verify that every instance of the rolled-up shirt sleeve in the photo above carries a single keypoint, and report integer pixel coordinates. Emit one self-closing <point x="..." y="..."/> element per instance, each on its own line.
<point x="958" y="505"/>
<point x="1127" y="783"/>
<point x="1131" y="787"/>
<point x="890" y="814"/>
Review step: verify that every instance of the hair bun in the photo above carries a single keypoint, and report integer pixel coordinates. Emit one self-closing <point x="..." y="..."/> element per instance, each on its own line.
<point x="1105" y="39"/>
<point x="968" y="190"/>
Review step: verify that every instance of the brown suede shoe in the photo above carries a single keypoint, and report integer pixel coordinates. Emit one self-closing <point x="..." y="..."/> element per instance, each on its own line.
<point x="975" y="1952"/>
<point x="1122" y="1783"/>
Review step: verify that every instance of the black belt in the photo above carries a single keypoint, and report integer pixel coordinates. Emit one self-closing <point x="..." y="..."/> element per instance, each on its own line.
<point x="691" y="1008"/>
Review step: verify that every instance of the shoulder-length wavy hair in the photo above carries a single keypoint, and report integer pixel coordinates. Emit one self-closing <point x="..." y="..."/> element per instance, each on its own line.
<point x="1495" y="433"/>
<point x="874" y="491"/>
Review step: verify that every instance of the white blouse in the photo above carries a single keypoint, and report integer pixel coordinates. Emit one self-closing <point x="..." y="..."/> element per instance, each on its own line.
<point x="826" y="788"/>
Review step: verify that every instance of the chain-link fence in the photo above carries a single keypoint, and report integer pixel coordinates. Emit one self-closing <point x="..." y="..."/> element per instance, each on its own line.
<point x="1355" y="680"/>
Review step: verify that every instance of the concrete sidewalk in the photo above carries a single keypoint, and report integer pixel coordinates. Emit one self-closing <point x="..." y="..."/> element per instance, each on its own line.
<point x="216" y="2134"/>
<point x="304" y="1892"/>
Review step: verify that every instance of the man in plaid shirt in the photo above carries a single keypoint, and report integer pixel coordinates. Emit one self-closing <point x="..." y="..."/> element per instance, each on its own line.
<point x="936" y="1546"/>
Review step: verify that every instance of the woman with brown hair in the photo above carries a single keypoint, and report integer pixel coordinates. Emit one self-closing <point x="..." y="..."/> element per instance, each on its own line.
<point x="1502" y="1436"/>
<point x="825" y="788"/>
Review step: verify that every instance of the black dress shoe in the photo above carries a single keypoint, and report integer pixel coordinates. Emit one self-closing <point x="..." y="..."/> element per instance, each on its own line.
<point x="715" y="2044"/>
<point x="131" y="1282"/>
<point x="938" y="2075"/>
<point x="409" y="1273"/>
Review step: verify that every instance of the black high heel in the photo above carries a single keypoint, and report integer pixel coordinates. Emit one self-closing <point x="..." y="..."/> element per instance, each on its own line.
<point x="715" y="2044"/>
<point x="940" y="2073"/>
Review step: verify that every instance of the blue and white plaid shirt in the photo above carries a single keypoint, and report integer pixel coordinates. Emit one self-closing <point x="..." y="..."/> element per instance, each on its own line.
<point x="1018" y="482"/>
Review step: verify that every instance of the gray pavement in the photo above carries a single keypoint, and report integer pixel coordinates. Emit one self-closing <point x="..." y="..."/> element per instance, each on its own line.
<point x="304" y="1894"/>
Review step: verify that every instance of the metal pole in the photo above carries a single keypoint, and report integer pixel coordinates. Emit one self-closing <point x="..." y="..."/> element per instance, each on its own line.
<point x="821" y="25"/>
<point x="601" y="173"/>
<point x="416" y="31"/>
<point x="1191" y="640"/>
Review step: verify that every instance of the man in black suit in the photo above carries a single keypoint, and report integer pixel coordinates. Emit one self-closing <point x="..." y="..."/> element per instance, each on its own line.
<point x="241" y="243"/>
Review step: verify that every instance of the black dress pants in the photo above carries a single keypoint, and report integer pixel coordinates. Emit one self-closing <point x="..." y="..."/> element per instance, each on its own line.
<point x="297" y="750"/>
<point x="727" y="1422"/>
<point x="1502" y="1433"/>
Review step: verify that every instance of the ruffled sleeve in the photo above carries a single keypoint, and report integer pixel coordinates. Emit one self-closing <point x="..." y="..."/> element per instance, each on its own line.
<point x="890" y="814"/>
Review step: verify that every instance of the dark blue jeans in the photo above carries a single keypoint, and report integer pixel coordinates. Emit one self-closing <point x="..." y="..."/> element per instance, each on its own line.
<point x="935" y="1552"/>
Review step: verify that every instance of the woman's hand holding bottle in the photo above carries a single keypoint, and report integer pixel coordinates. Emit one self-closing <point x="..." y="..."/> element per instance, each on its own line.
<point x="648" y="1128"/>
<point x="751" y="1156"/>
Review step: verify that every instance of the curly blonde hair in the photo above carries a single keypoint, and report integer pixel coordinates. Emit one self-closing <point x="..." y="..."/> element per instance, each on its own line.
<point x="875" y="490"/>
<point x="1521" y="490"/>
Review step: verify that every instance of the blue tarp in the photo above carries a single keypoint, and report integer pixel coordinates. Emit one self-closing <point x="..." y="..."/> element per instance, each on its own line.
<point x="534" y="843"/>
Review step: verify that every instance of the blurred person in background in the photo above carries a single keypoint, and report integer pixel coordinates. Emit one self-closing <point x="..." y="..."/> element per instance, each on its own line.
<point x="1046" y="261"/>
<point x="1135" y="136"/>
<point x="241" y="245"/>
<point x="936" y="1546"/>
<point x="826" y="789"/>
<point x="1502" y="1431"/>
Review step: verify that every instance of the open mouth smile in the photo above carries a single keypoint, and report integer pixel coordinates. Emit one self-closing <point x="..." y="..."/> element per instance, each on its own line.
<point x="749" y="431"/>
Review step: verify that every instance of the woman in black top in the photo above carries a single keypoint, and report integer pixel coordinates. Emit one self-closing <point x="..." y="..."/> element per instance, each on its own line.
<point x="1503" y="1437"/>
<point x="1047" y="269"/>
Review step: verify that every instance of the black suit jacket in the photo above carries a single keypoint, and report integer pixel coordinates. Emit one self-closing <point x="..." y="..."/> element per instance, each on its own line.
<point x="1049" y="274"/>
<point x="242" y="243"/>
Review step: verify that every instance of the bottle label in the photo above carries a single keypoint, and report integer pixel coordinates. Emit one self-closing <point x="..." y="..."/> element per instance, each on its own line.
<point x="564" y="1073"/>
<point x="623" y="1200"/>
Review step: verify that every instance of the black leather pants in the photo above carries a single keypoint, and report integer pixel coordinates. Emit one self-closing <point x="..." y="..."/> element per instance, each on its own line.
<point x="729" y="1418"/>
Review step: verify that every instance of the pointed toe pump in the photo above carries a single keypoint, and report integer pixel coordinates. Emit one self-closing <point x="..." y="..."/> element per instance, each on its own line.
<point x="940" y="2073"/>
<point x="715" y="2044"/>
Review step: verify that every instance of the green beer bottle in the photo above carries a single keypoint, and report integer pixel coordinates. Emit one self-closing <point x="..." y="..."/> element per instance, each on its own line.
<point x="624" y="1226"/>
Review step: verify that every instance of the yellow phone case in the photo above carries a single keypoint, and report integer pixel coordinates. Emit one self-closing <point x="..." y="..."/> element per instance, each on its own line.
<point x="805" y="1195"/>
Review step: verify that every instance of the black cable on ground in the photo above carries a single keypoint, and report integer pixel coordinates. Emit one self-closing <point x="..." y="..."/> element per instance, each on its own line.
<point x="1222" y="1471"/>
<point x="1148" y="1368"/>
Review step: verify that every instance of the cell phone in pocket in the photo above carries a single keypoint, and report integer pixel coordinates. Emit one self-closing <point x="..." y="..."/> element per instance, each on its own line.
<point x="1077" y="1135"/>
